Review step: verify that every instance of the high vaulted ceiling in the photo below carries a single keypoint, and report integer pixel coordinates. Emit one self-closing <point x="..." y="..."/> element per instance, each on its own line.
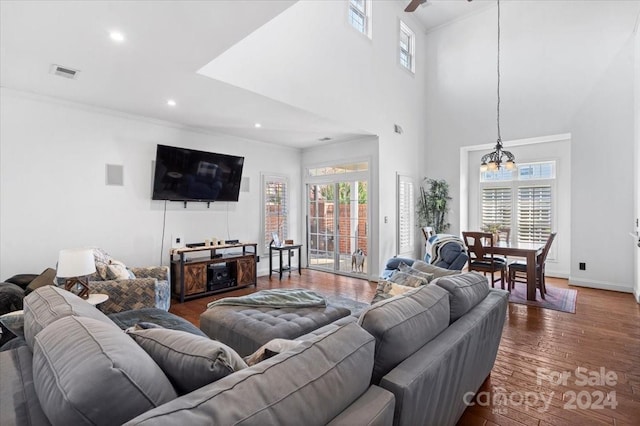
<point x="166" y="42"/>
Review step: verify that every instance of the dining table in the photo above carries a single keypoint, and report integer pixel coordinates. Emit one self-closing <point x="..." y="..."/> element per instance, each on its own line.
<point x="529" y="251"/>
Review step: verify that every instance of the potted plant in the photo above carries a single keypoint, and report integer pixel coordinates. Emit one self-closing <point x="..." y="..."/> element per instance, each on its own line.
<point x="433" y="204"/>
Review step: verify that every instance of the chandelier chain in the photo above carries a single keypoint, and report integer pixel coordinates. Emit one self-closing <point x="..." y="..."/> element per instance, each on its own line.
<point x="498" y="105"/>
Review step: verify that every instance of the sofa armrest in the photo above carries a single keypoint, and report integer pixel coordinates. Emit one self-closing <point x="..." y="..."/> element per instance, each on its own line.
<point x="161" y="273"/>
<point x="163" y="287"/>
<point x="374" y="408"/>
<point x="125" y="295"/>
<point x="433" y="385"/>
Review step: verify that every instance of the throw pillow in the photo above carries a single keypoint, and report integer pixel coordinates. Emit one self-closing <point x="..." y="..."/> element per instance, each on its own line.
<point x="86" y="371"/>
<point x="12" y="326"/>
<point x="189" y="361"/>
<point x="47" y="277"/>
<point x="102" y="259"/>
<point x="22" y="280"/>
<point x="387" y="289"/>
<point x="117" y="270"/>
<point x="431" y="269"/>
<point x="403" y="267"/>
<point x="269" y="349"/>
<point x="403" y="278"/>
<point x="10" y="298"/>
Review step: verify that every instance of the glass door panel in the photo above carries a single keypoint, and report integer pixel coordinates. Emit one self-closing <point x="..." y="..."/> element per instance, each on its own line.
<point x="338" y="225"/>
<point x="321" y="226"/>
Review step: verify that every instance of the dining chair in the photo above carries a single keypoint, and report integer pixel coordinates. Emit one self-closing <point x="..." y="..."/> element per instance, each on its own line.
<point x="518" y="270"/>
<point x="481" y="258"/>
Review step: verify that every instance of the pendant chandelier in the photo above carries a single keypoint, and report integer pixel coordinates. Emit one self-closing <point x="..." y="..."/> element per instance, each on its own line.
<point x="495" y="159"/>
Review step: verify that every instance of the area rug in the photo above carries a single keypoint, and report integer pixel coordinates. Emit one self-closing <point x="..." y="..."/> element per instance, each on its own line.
<point x="344" y="302"/>
<point x="558" y="299"/>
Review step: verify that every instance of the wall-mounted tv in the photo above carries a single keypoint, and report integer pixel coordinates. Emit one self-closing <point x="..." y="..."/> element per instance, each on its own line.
<point x="189" y="175"/>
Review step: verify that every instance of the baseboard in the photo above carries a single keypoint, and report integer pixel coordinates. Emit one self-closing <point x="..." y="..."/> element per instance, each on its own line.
<point x="600" y="285"/>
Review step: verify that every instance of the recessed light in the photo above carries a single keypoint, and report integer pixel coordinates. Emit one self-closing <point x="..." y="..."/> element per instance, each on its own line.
<point x="257" y="125"/>
<point x="116" y="36"/>
<point x="171" y="102"/>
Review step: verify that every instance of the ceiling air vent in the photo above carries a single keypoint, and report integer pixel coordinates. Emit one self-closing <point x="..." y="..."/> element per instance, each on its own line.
<point x="326" y="138"/>
<point x="65" y="72"/>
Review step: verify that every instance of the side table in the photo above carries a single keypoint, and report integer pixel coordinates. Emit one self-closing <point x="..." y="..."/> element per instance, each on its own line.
<point x="286" y="249"/>
<point x="97" y="298"/>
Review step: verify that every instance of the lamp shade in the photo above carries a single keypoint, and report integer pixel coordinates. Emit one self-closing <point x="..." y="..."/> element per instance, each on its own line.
<point x="75" y="263"/>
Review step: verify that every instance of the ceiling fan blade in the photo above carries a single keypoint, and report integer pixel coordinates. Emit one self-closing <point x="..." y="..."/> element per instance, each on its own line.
<point x="414" y="5"/>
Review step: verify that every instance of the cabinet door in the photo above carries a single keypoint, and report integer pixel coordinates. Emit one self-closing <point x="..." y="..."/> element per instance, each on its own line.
<point x="195" y="278"/>
<point x="246" y="271"/>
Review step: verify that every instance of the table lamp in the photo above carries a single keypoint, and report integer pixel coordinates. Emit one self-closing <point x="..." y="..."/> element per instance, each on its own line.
<point x="75" y="265"/>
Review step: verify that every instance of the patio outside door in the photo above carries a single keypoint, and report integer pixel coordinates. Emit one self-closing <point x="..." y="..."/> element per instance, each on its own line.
<point x="337" y="227"/>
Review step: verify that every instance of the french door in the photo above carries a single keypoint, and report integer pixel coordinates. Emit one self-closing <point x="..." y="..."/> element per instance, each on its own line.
<point x="337" y="226"/>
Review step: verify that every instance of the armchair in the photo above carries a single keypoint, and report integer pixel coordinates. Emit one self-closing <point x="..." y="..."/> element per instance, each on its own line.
<point x="146" y="287"/>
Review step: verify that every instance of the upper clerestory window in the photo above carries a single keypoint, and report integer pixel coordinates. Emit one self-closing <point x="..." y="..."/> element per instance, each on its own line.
<point x="360" y="16"/>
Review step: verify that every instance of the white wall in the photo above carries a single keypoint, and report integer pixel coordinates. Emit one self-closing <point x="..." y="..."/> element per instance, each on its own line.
<point x="567" y="67"/>
<point x="637" y="159"/>
<point x="323" y="65"/>
<point x="53" y="156"/>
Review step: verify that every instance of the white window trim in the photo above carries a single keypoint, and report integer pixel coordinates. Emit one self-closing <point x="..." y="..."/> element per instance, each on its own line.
<point x="273" y="177"/>
<point x="409" y="189"/>
<point x="406" y="29"/>
<point x="368" y="8"/>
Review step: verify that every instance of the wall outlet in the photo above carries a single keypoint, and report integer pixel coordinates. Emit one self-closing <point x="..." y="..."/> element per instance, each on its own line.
<point x="582" y="266"/>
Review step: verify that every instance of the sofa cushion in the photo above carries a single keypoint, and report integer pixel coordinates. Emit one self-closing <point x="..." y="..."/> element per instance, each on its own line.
<point x="89" y="372"/>
<point x="19" y="403"/>
<point x="432" y="269"/>
<point x="331" y="371"/>
<point x="48" y="304"/>
<point x="47" y="277"/>
<point x="405" y="323"/>
<point x="189" y="361"/>
<point x="465" y="291"/>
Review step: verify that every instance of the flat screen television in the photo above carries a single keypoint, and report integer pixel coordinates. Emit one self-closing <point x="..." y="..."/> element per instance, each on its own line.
<point x="189" y="175"/>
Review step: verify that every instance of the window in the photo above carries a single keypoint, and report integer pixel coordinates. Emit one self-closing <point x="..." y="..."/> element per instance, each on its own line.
<point x="406" y="215"/>
<point x="275" y="207"/>
<point x="520" y="200"/>
<point x="407" y="47"/>
<point x="360" y="16"/>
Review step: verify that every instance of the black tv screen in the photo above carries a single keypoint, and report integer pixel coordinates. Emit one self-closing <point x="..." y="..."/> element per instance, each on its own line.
<point x="189" y="175"/>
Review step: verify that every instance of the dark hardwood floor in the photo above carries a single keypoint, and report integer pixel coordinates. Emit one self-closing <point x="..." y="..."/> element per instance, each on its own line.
<point x="603" y="336"/>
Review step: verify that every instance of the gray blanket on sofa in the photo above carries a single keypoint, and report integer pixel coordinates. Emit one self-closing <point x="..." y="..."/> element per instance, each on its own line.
<point x="276" y="298"/>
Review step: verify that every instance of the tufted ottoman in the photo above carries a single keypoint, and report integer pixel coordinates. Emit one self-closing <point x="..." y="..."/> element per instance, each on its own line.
<point x="245" y="328"/>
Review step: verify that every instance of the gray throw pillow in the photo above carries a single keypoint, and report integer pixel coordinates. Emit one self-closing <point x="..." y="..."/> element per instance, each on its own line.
<point x="403" y="267"/>
<point x="86" y="371"/>
<point x="189" y="361"/>
<point x="409" y="280"/>
<point x="10" y="298"/>
<point x="387" y="289"/>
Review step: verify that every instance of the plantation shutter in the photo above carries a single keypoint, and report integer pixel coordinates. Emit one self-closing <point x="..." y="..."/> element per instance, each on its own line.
<point x="496" y="206"/>
<point x="534" y="213"/>
<point x="276" y="208"/>
<point x="406" y="215"/>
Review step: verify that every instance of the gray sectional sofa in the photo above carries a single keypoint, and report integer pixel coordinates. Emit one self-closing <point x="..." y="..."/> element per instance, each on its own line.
<point x="408" y="360"/>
